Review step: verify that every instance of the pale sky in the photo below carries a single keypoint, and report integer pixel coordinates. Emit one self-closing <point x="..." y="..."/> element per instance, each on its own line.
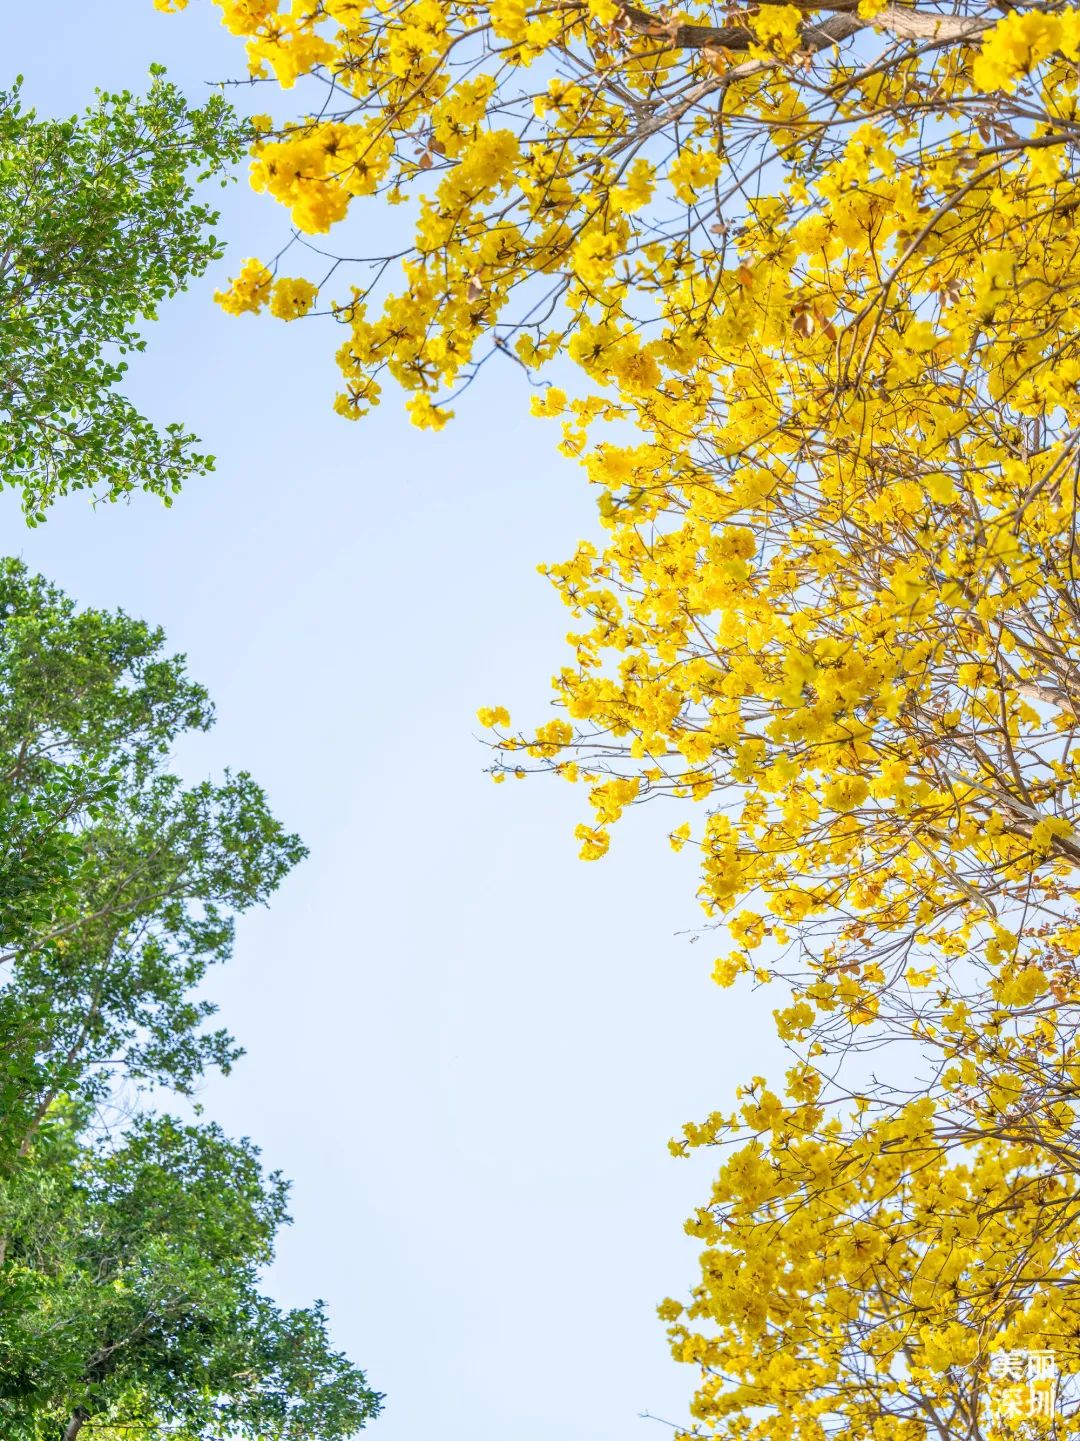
<point x="465" y="1046"/>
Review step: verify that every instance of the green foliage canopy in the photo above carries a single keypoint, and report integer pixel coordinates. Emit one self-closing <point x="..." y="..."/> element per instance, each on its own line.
<point x="99" y="224"/>
<point x="130" y="1256"/>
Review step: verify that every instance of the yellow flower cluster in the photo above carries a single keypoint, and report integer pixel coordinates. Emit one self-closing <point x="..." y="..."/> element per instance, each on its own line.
<point x="250" y="291"/>
<point x="823" y="301"/>
<point x="791" y="1292"/>
<point x="292" y="298"/>
<point x="1023" y="40"/>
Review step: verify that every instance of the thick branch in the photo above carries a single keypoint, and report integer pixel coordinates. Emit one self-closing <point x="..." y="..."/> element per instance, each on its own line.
<point x="79" y="1417"/>
<point x="1050" y="695"/>
<point x="898" y="20"/>
<point x="908" y="24"/>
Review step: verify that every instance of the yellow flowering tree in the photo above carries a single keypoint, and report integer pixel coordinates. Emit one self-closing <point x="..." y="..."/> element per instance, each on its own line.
<point x="819" y="264"/>
<point x="889" y="1284"/>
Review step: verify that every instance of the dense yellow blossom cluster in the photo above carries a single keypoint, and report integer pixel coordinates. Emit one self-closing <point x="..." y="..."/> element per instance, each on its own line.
<point x="820" y="267"/>
<point x="869" y="1285"/>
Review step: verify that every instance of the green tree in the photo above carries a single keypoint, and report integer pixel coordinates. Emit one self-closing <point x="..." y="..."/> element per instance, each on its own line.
<point x="130" y="1296"/>
<point x="98" y="225"/>
<point x="122" y="883"/>
<point x="129" y="1262"/>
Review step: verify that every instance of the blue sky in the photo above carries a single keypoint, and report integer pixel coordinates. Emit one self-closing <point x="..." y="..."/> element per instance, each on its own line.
<point x="466" y="1047"/>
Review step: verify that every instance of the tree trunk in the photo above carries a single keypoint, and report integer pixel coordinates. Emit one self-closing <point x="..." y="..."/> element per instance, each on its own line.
<point x="78" y="1417"/>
